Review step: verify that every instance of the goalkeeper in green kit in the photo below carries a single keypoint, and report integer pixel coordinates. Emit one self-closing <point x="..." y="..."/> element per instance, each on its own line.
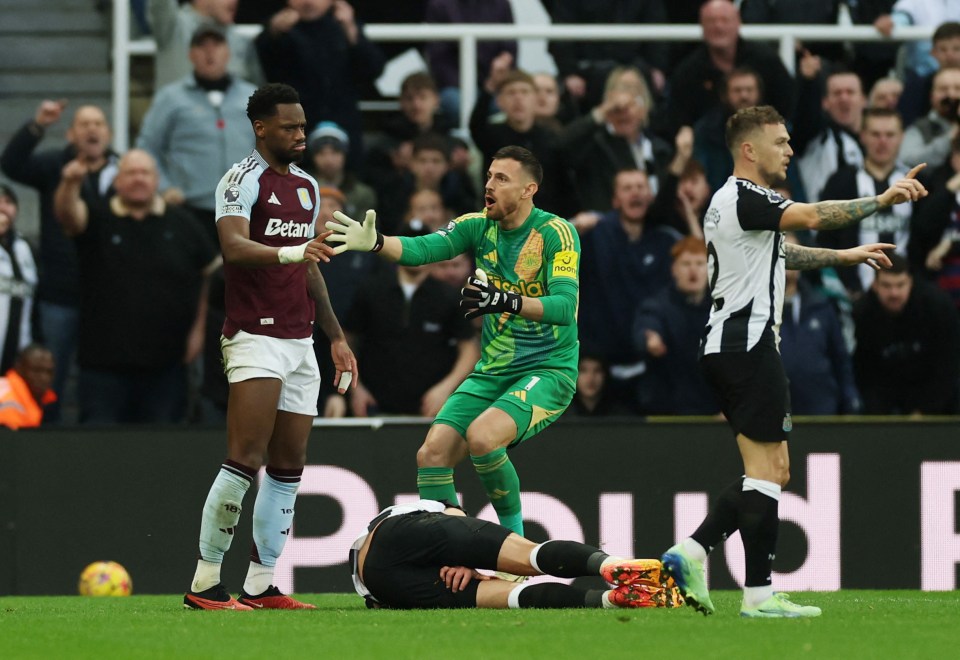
<point x="527" y="288"/>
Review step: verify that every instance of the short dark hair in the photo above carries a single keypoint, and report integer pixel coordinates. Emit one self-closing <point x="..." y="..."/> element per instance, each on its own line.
<point x="9" y="193"/>
<point x="743" y="71"/>
<point x="948" y="30"/>
<point x="514" y="76"/>
<point x="528" y="162"/>
<point x="416" y="81"/>
<point x="899" y="264"/>
<point x="748" y="120"/>
<point x="263" y="102"/>
<point x="881" y="113"/>
<point x="692" y="170"/>
<point x="431" y="141"/>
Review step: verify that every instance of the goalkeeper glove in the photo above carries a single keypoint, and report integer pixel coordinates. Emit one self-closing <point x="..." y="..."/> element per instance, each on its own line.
<point x="355" y="236"/>
<point x="483" y="300"/>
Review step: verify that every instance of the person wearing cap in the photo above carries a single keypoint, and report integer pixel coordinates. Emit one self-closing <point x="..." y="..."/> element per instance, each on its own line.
<point x="319" y="48"/>
<point x="197" y="127"/>
<point x="58" y="291"/>
<point x="415" y="344"/>
<point x="18" y="281"/>
<point x="173" y="25"/>
<point x="328" y="145"/>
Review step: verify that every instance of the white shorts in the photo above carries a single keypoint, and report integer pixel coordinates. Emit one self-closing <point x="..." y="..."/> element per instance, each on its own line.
<point x="293" y="361"/>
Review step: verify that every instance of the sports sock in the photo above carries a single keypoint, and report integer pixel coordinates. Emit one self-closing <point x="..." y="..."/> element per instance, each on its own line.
<point x="221" y="513"/>
<point x="567" y="559"/>
<point x="272" y="519"/>
<point x="723" y="518"/>
<point x="499" y="478"/>
<point x="436" y="483"/>
<point x="759" y="525"/>
<point x="552" y="595"/>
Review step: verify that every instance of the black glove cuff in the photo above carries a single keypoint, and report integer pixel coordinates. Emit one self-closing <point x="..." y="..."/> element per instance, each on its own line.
<point x="514" y="302"/>
<point x="379" y="244"/>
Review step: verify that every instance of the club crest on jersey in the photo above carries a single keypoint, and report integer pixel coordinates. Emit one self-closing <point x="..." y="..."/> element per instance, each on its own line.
<point x="231" y="194"/>
<point x="304" y="196"/>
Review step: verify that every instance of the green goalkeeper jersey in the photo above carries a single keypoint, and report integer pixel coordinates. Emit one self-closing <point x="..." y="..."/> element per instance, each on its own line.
<point x="539" y="259"/>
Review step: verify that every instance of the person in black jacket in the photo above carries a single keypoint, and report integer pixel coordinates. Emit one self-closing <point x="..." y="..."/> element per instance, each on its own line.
<point x="319" y="48"/>
<point x="58" y="291"/>
<point x="907" y="360"/>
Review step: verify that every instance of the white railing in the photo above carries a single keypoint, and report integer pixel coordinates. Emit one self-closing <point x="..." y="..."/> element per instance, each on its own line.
<point x="468" y="36"/>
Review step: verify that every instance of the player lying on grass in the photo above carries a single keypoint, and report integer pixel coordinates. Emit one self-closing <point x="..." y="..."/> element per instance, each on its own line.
<point x="424" y="555"/>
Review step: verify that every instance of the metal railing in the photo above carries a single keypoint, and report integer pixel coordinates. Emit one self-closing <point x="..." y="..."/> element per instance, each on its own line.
<point x="787" y="37"/>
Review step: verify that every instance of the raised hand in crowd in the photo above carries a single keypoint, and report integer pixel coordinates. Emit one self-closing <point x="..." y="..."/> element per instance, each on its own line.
<point x="49" y="112"/>
<point x="284" y="20"/>
<point x="499" y="68"/>
<point x="343" y="12"/>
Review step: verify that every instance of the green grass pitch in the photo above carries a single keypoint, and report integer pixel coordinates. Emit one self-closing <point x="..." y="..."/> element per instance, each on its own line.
<point x="855" y="624"/>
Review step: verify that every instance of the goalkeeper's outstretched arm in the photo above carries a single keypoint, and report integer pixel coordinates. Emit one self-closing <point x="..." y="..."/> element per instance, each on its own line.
<point x="408" y="251"/>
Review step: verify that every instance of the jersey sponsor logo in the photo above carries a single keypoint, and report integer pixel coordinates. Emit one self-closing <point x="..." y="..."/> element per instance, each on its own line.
<point x="289" y="229"/>
<point x="531" y="289"/>
<point x="304" y="196"/>
<point x="231" y="194"/>
<point x="273" y="199"/>
<point x="565" y="264"/>
<point x="230" y="209"/>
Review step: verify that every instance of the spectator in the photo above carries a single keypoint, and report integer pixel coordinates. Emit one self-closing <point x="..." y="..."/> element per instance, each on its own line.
<point x="881" y="134"/>
<point x="419" y="109"/>
<point x="413" y="339"/>
<point x="319" y="48"/>
<point x="197" y="126"/>
<point x="623" y="264"/>
<point x="887" y="93"/>
<point x="742" y="88"/>
<point x="591" y="398"/>
<point x="697" y="78"/>
<point x="58" y="291"/>
<point x="915" y="100"/>
<point x="516" y="97"/>
<point x="682" y="201"/>
<point x="667" y="332"/>
<point x="173" y="26"/>
<point x="825" y="134"/>
<point x="918" y="61"/>
<point x="454" y="271"/>
<point x="443" y="57"/>
<point x="426" y="206"/>
<point x="907" y="360"/>
<point x="812" y="12"/>
<point x="328" y="145"/>
<point x="25" y="388"/>
<point x="429" y="170"/>
<point x="872" y="60"/>
<point x="613" y="137"/>
<point x="18" y="281"/>
<point x="585" y="65"/>
<point x="553" y="109"/>
<point x="815" y="355"/>
<point x="935" y="233"/>
<point x="928" y="139"/>
<point x="143" y="265"/>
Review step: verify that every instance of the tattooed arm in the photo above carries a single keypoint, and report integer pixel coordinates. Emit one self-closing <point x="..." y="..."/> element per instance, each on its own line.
<point x="828" y="215"/>
<point x="799" y="257"/>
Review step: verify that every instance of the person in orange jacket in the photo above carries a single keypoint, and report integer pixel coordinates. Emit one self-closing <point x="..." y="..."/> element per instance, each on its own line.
<point x="25" y="388"/>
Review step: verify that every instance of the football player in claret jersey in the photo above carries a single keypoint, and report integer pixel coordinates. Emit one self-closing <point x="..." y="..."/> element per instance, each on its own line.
<point x="266" y="216"/>
<point x="740" y="354"/>
<point x="527" y="288"/>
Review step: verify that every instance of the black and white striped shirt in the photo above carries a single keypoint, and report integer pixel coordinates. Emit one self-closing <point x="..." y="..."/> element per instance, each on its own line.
<point x="746" y="259"/>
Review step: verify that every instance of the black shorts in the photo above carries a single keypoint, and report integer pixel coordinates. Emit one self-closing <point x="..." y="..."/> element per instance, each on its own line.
<point x="753" y="391"/>
<point x="402" y="567"/>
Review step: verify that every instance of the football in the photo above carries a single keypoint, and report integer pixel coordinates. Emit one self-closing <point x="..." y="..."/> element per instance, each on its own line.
<point x="105" y="578"/>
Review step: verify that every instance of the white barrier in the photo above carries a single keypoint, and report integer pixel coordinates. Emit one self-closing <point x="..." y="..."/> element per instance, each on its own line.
<point x="468" y="36"/>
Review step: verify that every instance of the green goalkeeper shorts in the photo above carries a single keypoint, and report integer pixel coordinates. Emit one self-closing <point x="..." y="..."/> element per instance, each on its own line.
<point x="534" y="401"/>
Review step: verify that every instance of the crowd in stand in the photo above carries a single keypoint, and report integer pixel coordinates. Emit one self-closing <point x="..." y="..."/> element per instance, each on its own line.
<point x="125" y="286"/>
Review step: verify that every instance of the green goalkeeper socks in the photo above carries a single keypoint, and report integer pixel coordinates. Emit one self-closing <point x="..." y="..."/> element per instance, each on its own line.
<point x="499" y="477"/>
<point x="436" y="483"/>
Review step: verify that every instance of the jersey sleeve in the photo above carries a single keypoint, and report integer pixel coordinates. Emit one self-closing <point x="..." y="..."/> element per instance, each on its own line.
<point x="456" y="237"/>
<point x="561" y="257"/>
<point x="238" y="198"/>
<point x="759" y="209"/>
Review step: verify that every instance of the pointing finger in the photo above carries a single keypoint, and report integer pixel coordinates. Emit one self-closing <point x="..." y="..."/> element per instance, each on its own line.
<point x="912" y="174"/>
